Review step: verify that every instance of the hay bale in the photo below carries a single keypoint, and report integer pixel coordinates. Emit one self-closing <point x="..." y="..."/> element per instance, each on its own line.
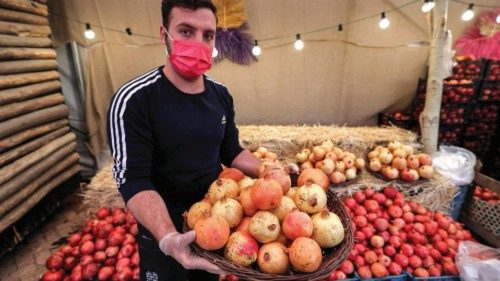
<point x="286" y="141"/>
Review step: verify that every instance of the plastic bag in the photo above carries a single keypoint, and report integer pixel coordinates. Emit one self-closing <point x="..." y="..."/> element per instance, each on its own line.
<point x="455" y="163"/>
<point x="477" y="262"/>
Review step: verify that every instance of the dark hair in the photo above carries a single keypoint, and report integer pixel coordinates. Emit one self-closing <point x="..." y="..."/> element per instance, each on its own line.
<point x="168" y="5"/>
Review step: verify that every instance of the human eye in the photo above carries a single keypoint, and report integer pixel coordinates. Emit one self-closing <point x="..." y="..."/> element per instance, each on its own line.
<point x="210" y="36"/>
<point x="185" y="32"/>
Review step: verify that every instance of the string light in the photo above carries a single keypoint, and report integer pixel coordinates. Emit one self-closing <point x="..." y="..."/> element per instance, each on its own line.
<point x="384" y="22"/>
<point x="215" y="53"/>
<point x="468" y="14"/>
<point x="89" y="33"/>
<point x="428" y="5"/>
<point x="340" y="27"/>
<point x="256" y="49"/>
<point x="299" y="44"/>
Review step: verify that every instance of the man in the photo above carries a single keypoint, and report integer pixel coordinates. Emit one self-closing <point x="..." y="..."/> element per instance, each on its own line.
<point x="169" y="130"/>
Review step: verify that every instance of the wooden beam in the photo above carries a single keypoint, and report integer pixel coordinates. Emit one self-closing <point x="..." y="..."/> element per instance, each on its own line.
<point x="33" y="119"/>
<point x="30" y="202"/>
<point x="27" y="53"/>
<point x="13" y="169"/>
<point x="25" y="6"/>
<point x="35" y="144"/>
<point x="23" y="66"/>
<point x="24" y="29"/>
<point x="35" y="171"/>
<point x="17" y="41"/>
<point x="15" y="109"/>
<point x="14" y="140"/>
<point x="24" y="192"/>
<point x="15" y="80"/>
<point x="28" y="92"/>
<point x="21" y="17"/>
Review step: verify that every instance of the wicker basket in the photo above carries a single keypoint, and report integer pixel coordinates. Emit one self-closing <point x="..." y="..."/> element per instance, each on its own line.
<point x="487" y="214"/>
<point x="332" y="258"/>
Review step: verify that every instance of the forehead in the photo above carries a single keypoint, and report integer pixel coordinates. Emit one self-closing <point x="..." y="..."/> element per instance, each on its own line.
<point x="202" y="18"/>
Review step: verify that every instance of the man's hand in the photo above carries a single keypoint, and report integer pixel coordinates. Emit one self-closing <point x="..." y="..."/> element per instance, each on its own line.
<point x="176" y="245"/>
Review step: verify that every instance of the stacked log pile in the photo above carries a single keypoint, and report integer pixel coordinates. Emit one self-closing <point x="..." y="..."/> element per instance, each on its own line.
<point x="37" y="148"/>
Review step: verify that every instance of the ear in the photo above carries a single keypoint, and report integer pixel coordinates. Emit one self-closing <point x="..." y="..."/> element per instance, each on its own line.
<point x="163" y="35"/>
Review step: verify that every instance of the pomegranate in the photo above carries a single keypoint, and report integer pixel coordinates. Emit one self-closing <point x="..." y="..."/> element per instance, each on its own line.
<point x="222" y="188"/>
<point x="328" y="166"/>
<point x="53" y="275"/>
<point x="395" y="268"/>
<point x="317" y="176"/>
<point x="310" y="198"/>
<point x="377" y="241"/>
<point x="364" y="272"/>
<point x="265" y="227"/>
<point x="412" y="162"/>
<point x="379" y="270"/>
<point x="297" y="224"/>
<point x="399" y="163"/>
<point x="286" y="206"/>
<point x="375" y="165"/>
<point x="426" y="171"/>
<point x="212" y="232"/>
<point x="246" y="202"/>
<point x="196" y="212"/>
<point x="424" y="159"/>
<point x="230" y="210"/>
<point x="273" y="258"/>
<point x="359" y="163"/>
<point x="390" y="172"/>
<point x="232" y="173"/>
<point x="244" y="225"/>
<point x="54" y="262"/>
<point x="241" y="249"/>
<point x="105" y="273"/>
<point x="305" y="254"/>
<point x="280" y="175"/>
<point x="340" y="167"/>
<point x="328" y="230"/>
<point x="245" y="182"/>
<point x="266" y="194"/>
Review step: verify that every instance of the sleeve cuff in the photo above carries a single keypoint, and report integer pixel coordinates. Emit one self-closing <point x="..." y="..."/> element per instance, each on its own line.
<point x="232" y="155"/>
<point x="131" y="188"/>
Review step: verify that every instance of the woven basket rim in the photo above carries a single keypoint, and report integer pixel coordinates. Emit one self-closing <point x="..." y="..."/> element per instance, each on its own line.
<point x="334" y="256"/>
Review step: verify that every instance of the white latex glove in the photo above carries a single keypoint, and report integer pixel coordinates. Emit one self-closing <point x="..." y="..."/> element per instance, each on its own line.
<point x="292" y="168"/>
<point x="176" y="245"/>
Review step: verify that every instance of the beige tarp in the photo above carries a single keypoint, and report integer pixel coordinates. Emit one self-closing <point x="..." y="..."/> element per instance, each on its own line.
<point x="338" y="78"/>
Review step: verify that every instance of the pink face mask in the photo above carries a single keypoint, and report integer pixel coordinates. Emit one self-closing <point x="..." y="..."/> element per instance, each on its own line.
<point x="190" y="59"/>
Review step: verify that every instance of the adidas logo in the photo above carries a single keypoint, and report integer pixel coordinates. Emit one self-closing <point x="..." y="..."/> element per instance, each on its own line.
<point x="223" y="120"/>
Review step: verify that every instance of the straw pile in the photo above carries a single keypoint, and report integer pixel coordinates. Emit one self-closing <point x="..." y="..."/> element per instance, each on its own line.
<point x="286" y="141"/>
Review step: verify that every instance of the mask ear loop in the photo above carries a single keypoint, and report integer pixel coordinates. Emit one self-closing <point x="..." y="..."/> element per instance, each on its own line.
<point x="168" y="47"/>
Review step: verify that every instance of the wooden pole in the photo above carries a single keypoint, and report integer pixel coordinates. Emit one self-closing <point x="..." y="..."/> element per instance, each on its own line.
<point x="13" y="16"/>
<point x="27" y="53"/>
<point x="19" y="108"/>
<point x="30" y="133"/>
<point x="30" y="202"/>
<point x="13" y="169"/>
<point x="429" y="119"/>
<point x="33" y="172"/>
<point x="24" y="149"/>
<point x="20" y="66"/>
<point x="25" y="6"/>
<point x="28" y="92"/>
<point x="24" y="29"/>
<point x="33" y="119"/>
<point x="26" y="191"/>
<point x="14" y="80"/>
<point x="17" y="41"/>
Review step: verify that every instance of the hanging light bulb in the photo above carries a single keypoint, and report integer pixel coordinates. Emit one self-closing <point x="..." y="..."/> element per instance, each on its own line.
<point x="468" y="14"/>
<point x="256" y="49"/>
<point x="299" y="44"/>
<point x="384" y="22"/>
<point x="498" y="19"/>
<point x="215" y="53"/>
<point x="428" y="5"/>
<point x="340" y="27"/>
<point x="89" y="33"/>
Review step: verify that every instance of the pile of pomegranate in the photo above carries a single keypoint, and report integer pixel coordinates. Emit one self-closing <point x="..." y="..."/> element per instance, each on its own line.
<point x="264" y="155"/>
<point x="338" y="165"/>
<point x="265" y="222"/>
<point x="105" y="249"/>
<point x="393" y="235"/>
<point x="486" y="194"/>
<point x="397" y="161"/>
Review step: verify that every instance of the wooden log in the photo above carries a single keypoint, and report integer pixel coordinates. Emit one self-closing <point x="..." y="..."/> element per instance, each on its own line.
<point x="13" y="16"/>
<point x="24" y="29"/>
<point x="24" y="149"/>
<point x="27" y="53"/>
<point x="15" y="80"/>
<point x="33" y="119"/>
<point x="17" y="41"/>
<point x="29" y="203"/>
<point x="25" y="6"/>
<point x="20" y="66"/>
<point x="34" y="185"/>
<point x="28" y="92"/>
<point x="19" y="108"/>
<point x="35" y="171"/>
<point x="30" y="133"/>
<point x="21" y="164"/>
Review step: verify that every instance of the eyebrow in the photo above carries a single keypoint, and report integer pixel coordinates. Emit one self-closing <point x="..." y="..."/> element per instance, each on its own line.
<point x="183" y="24"/>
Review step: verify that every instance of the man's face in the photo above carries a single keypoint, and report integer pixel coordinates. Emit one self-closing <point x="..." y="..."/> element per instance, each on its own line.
<point x="194" y="26"/>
